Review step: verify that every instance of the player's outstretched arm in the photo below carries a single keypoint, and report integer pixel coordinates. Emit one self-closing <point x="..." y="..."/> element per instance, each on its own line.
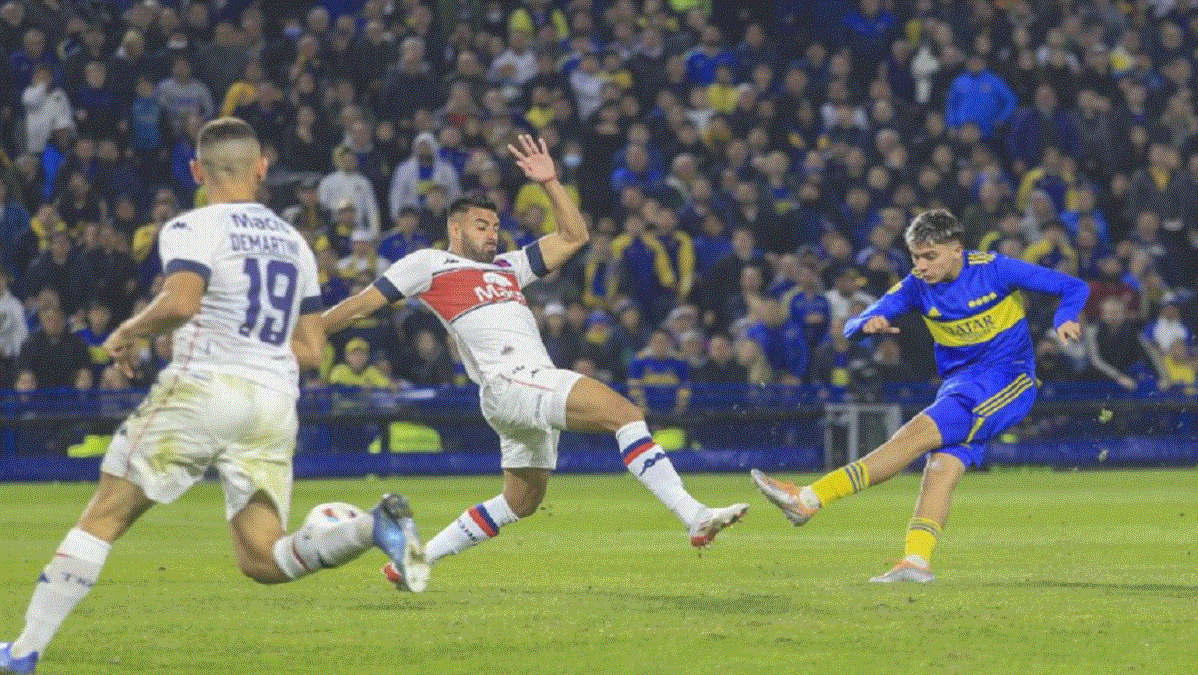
<point x="533" y="158"/>
<point x="1072" y="291"/>
<point x="1070" y="331"/>
<point x="175" y="304"/>
<point x="878" y="324"/>
<point x="308" y="341"/>
<point x="351" y="309"/>
<point x="876" y="318"/>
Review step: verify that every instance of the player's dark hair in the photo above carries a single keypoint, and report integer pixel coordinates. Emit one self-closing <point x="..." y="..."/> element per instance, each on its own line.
<point x="225" y="129"/>
<point x="471" y="201"/>
<point x="936" y="226"/>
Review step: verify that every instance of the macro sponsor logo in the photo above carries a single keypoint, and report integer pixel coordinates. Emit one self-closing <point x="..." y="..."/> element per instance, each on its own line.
<point x="498" y="288"/>
<point x="978" y="328"/>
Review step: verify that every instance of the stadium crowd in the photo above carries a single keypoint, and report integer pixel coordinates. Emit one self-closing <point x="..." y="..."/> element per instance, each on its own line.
<point x="746" y="170"/>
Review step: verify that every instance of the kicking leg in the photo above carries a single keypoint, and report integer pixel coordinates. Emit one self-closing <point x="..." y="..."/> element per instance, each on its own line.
<point x="71" y="573"/>
<point x="593" y="406"/>
<point x="940" y="477"/>
<point x="523" y="490"/>
<point x="799" y="504"/>
<point x="267" y="555"/>
<point x="261" y="547"/>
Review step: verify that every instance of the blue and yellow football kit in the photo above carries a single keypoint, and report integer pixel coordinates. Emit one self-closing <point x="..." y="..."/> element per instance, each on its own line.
<point x="658" y="382"/>
<point x="983" y="347"/>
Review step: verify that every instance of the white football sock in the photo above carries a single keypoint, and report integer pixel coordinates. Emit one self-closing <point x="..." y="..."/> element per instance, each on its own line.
<point x="67" y="578"/>
<point x="649" y="463"/>
<point x="317" y="546"/>
<point x="476" y="525"/>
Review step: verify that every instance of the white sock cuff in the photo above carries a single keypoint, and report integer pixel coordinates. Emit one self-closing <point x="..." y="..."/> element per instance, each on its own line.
<point x="631" y="433"/>
<point x="83" y="546"/>
<point x="287" y="560"/>
<point x="500" y="511"/>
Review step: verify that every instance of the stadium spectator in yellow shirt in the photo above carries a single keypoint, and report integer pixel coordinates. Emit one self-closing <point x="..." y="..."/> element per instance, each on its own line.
<point x="530" y="194"/>
<point x="356" y="370"/>
<point x="243" y="91"/>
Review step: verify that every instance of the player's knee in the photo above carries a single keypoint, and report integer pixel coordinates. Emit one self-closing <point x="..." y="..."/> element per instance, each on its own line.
<point x="942" y="471"/>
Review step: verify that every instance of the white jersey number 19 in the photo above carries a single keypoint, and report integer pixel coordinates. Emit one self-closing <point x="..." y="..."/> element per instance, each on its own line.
<point x="270" y="303"/>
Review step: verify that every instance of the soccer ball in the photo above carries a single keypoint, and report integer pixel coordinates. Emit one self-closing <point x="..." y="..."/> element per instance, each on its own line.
<point x="332" y="513"/>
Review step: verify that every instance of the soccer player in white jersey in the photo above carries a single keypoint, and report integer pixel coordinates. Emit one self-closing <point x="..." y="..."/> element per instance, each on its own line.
<point x="477" y="295"/>
<point x="242" y="297"/>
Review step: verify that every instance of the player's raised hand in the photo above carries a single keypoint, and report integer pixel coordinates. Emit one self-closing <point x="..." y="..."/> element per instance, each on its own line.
<point x="119" y="346"/>
<point x="1070" y="331"/>
<point x="533" y="158"/>
<point x="879" y="324"/>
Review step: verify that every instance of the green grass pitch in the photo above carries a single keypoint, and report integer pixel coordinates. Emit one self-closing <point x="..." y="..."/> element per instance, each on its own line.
<point x="1039" y="572"/>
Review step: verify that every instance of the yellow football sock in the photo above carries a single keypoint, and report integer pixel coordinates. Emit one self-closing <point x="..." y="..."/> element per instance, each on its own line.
<point x="921" y="538"/>
<point x="845" y="481"/>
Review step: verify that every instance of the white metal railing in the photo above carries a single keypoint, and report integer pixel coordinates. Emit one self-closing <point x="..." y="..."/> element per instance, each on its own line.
<point x="851" y="427"/>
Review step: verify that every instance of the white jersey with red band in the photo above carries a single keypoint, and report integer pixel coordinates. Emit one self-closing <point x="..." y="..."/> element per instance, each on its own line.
<point x="481" y="305"/>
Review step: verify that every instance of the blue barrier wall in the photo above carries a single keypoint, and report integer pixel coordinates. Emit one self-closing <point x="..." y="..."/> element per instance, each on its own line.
<point x="725" y="429"/>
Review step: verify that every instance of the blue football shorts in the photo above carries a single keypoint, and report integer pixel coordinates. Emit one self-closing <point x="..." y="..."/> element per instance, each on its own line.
<point x="977" y="404"/>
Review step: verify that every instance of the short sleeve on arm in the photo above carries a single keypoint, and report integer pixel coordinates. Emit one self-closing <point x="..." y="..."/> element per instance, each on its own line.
<point x="406" y="277"/>
<point x="311" y="301"/>
<point x="526" y="262"/>
<point x="183" y="247"/>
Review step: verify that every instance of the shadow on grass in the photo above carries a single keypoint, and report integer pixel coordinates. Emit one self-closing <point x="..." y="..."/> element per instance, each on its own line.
<point x="406" y="606"/>
<point x="1175" y="590"/>
<point x="755" y="603"/>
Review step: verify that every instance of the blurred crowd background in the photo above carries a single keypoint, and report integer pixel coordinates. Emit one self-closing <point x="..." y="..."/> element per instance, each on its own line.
<point x="746" y="170"/>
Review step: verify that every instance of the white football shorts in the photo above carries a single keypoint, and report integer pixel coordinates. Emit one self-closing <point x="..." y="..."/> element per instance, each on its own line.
<point x="190" y="422"/>
<point x="527" y="408"/>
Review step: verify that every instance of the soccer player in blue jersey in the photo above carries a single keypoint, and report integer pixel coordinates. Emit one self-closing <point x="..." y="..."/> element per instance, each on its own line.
<point x="984" y="352"/>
